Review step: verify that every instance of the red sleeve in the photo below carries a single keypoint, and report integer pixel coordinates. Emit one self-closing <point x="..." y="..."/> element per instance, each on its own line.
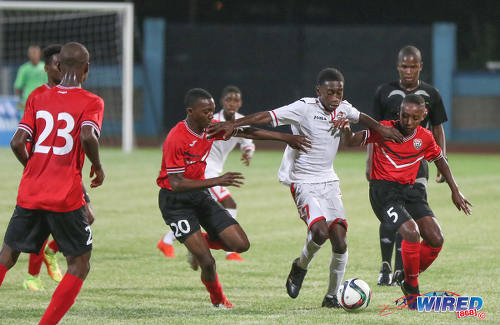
<point x="433" y="151"/>
<point x="173" y="154"/>
<point x="93" y="115"/>
<point x="371" y="136"/>
<point x="29" y="119"/>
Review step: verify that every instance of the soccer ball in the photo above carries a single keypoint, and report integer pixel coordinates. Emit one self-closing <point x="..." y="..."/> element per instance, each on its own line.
<point x="354" y="295"/>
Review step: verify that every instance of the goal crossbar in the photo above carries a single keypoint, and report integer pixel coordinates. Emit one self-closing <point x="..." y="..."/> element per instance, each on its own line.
<point x="126" y="10"/>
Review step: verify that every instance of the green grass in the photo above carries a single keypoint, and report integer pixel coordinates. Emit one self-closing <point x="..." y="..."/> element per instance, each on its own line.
<point x="130" y="281"/>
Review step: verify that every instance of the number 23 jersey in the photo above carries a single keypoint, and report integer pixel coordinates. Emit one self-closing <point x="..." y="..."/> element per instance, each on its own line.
<point x="52" y="179"/>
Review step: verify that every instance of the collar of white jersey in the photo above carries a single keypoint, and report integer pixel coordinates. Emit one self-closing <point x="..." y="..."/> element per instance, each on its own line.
<point x="220" y="116"/>
<point x="332" y="114"/>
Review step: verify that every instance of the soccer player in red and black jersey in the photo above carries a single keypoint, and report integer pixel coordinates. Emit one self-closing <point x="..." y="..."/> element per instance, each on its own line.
<point x="393" y="195"/>
<point x="48" y="252"/>
<point x="64" y="124"/>
<point x="387" y="103"/>
<point x="184" y="199"/>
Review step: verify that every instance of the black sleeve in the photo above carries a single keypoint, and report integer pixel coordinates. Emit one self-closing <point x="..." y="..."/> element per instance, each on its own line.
<point x="437" y="113"/>
<point x="85" y="195"/>
<point x="377" y="105"/>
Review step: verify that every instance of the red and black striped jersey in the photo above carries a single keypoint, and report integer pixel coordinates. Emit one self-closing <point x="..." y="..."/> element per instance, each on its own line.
<point x="184" y="151"/>
<point x="399" y="162"/>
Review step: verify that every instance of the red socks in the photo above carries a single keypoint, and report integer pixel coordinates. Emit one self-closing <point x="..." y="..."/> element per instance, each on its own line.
<point x="214" y="244"/>
<point x="63" y="298"/>
<point x="3" y="270"/>
<point x="411" y="261"/>
<point x="53" y="246"/>
<point x="427" y="255"/>
<point x="215" y="290"/>
<point x="35" y="261"/>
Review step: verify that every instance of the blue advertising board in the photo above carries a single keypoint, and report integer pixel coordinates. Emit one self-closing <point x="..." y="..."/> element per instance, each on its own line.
<point x="9" y="118"/>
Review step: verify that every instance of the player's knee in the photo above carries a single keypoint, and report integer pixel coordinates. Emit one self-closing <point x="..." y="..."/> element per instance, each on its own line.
<point x="243" y="246"/>
<point x="436" y="241"/>
<point x="410" y="234"/>
<point x="319" y="234"/>
<point x="79" y="266"/>
<point x="8" y="257"/>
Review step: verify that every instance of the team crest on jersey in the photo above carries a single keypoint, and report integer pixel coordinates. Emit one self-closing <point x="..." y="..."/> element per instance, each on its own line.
<point x="417" y="143"/>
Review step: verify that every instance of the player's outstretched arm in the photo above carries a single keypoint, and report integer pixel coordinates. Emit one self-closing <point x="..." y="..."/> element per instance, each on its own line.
<point x="439" y="136"/>
<point x="458" y="199"/>
<point x="348" y="138"/>
<point x="299" y="142"/>
<point x="179" y="183"/>
<point x="18" y="146"/>
<point x="387" y="132"/>
<point x="90" y="146"/>
<point x="229" y="126"/>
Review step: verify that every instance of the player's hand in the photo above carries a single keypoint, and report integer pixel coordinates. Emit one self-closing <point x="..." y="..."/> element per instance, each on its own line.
<point x="390" y="133"/>
<point x="90" y="213"/>
<point x="299" y="142"/>
<point x="440" y="178"/>
<point x="99" y="176"/>
<point x="461" y="202"/>
<point x="231" y="179"/>
<point x="368" y="172"/>
<point x="246" y="157"/>
<point x="343" y="125"/>
<point x="224" y="130"/>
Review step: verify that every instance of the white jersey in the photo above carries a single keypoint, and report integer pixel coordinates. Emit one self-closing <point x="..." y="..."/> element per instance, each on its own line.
<point x="308" y="117"/>
<point x="221" y="149"/>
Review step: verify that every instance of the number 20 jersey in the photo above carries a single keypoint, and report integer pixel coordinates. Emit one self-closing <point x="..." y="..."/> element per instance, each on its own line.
<point x="52" y="179"/>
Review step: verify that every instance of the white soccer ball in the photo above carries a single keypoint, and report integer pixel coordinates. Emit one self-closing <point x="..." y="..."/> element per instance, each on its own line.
<point x="354" y="295"/>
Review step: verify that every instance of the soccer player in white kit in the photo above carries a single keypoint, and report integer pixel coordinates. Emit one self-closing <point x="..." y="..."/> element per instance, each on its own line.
<point x="231" y="101"/>
<point x="310" y="175"/>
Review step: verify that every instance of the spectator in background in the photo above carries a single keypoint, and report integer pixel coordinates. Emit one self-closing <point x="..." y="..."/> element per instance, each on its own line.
<point x="30" y="75"/>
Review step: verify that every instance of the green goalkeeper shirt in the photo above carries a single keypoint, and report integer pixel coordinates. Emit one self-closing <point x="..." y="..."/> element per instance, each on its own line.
<point x="30" y="77"/>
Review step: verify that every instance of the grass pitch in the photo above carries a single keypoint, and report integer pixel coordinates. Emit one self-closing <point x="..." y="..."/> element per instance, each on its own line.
<point x="130" y="281"/>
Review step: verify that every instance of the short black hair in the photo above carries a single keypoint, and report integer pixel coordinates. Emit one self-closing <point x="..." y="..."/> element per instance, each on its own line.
<point x="194" y="94"/>
<point x="228" y="90"/>
<point x="329" y="74"/>
<point x="413" y="99"/>
<point x="49" y="51"/>
<point x="409" y="50"/>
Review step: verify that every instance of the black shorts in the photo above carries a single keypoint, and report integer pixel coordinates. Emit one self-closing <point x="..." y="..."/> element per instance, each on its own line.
<point x="28" y="229"/>
<point x="185" y="212"/>
<point x="395" y="203"/>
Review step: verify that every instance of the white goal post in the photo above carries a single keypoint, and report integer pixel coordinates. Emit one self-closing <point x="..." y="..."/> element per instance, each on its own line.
<point x="126" y="14"/>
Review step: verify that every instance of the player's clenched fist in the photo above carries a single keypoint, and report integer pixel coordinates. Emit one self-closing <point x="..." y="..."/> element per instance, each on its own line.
<point x="231" y="179"/>
<point x="99" y="176"/>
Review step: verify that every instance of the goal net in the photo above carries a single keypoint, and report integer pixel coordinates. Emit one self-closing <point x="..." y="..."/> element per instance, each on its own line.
<point x="106" y="29"/>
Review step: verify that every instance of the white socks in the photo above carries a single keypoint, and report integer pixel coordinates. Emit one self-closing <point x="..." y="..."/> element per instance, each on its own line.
<point x="169" y="238"/>
<point x="337" y="270"/>
<point x="308" y="252"/>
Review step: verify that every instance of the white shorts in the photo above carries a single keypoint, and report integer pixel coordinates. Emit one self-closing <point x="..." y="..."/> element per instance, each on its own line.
<point x="319" y="201"/>
<point x="219" y="193"/>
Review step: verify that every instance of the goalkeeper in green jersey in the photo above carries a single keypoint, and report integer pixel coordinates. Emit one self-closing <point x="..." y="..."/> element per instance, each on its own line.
<point x="30" y="75"/>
